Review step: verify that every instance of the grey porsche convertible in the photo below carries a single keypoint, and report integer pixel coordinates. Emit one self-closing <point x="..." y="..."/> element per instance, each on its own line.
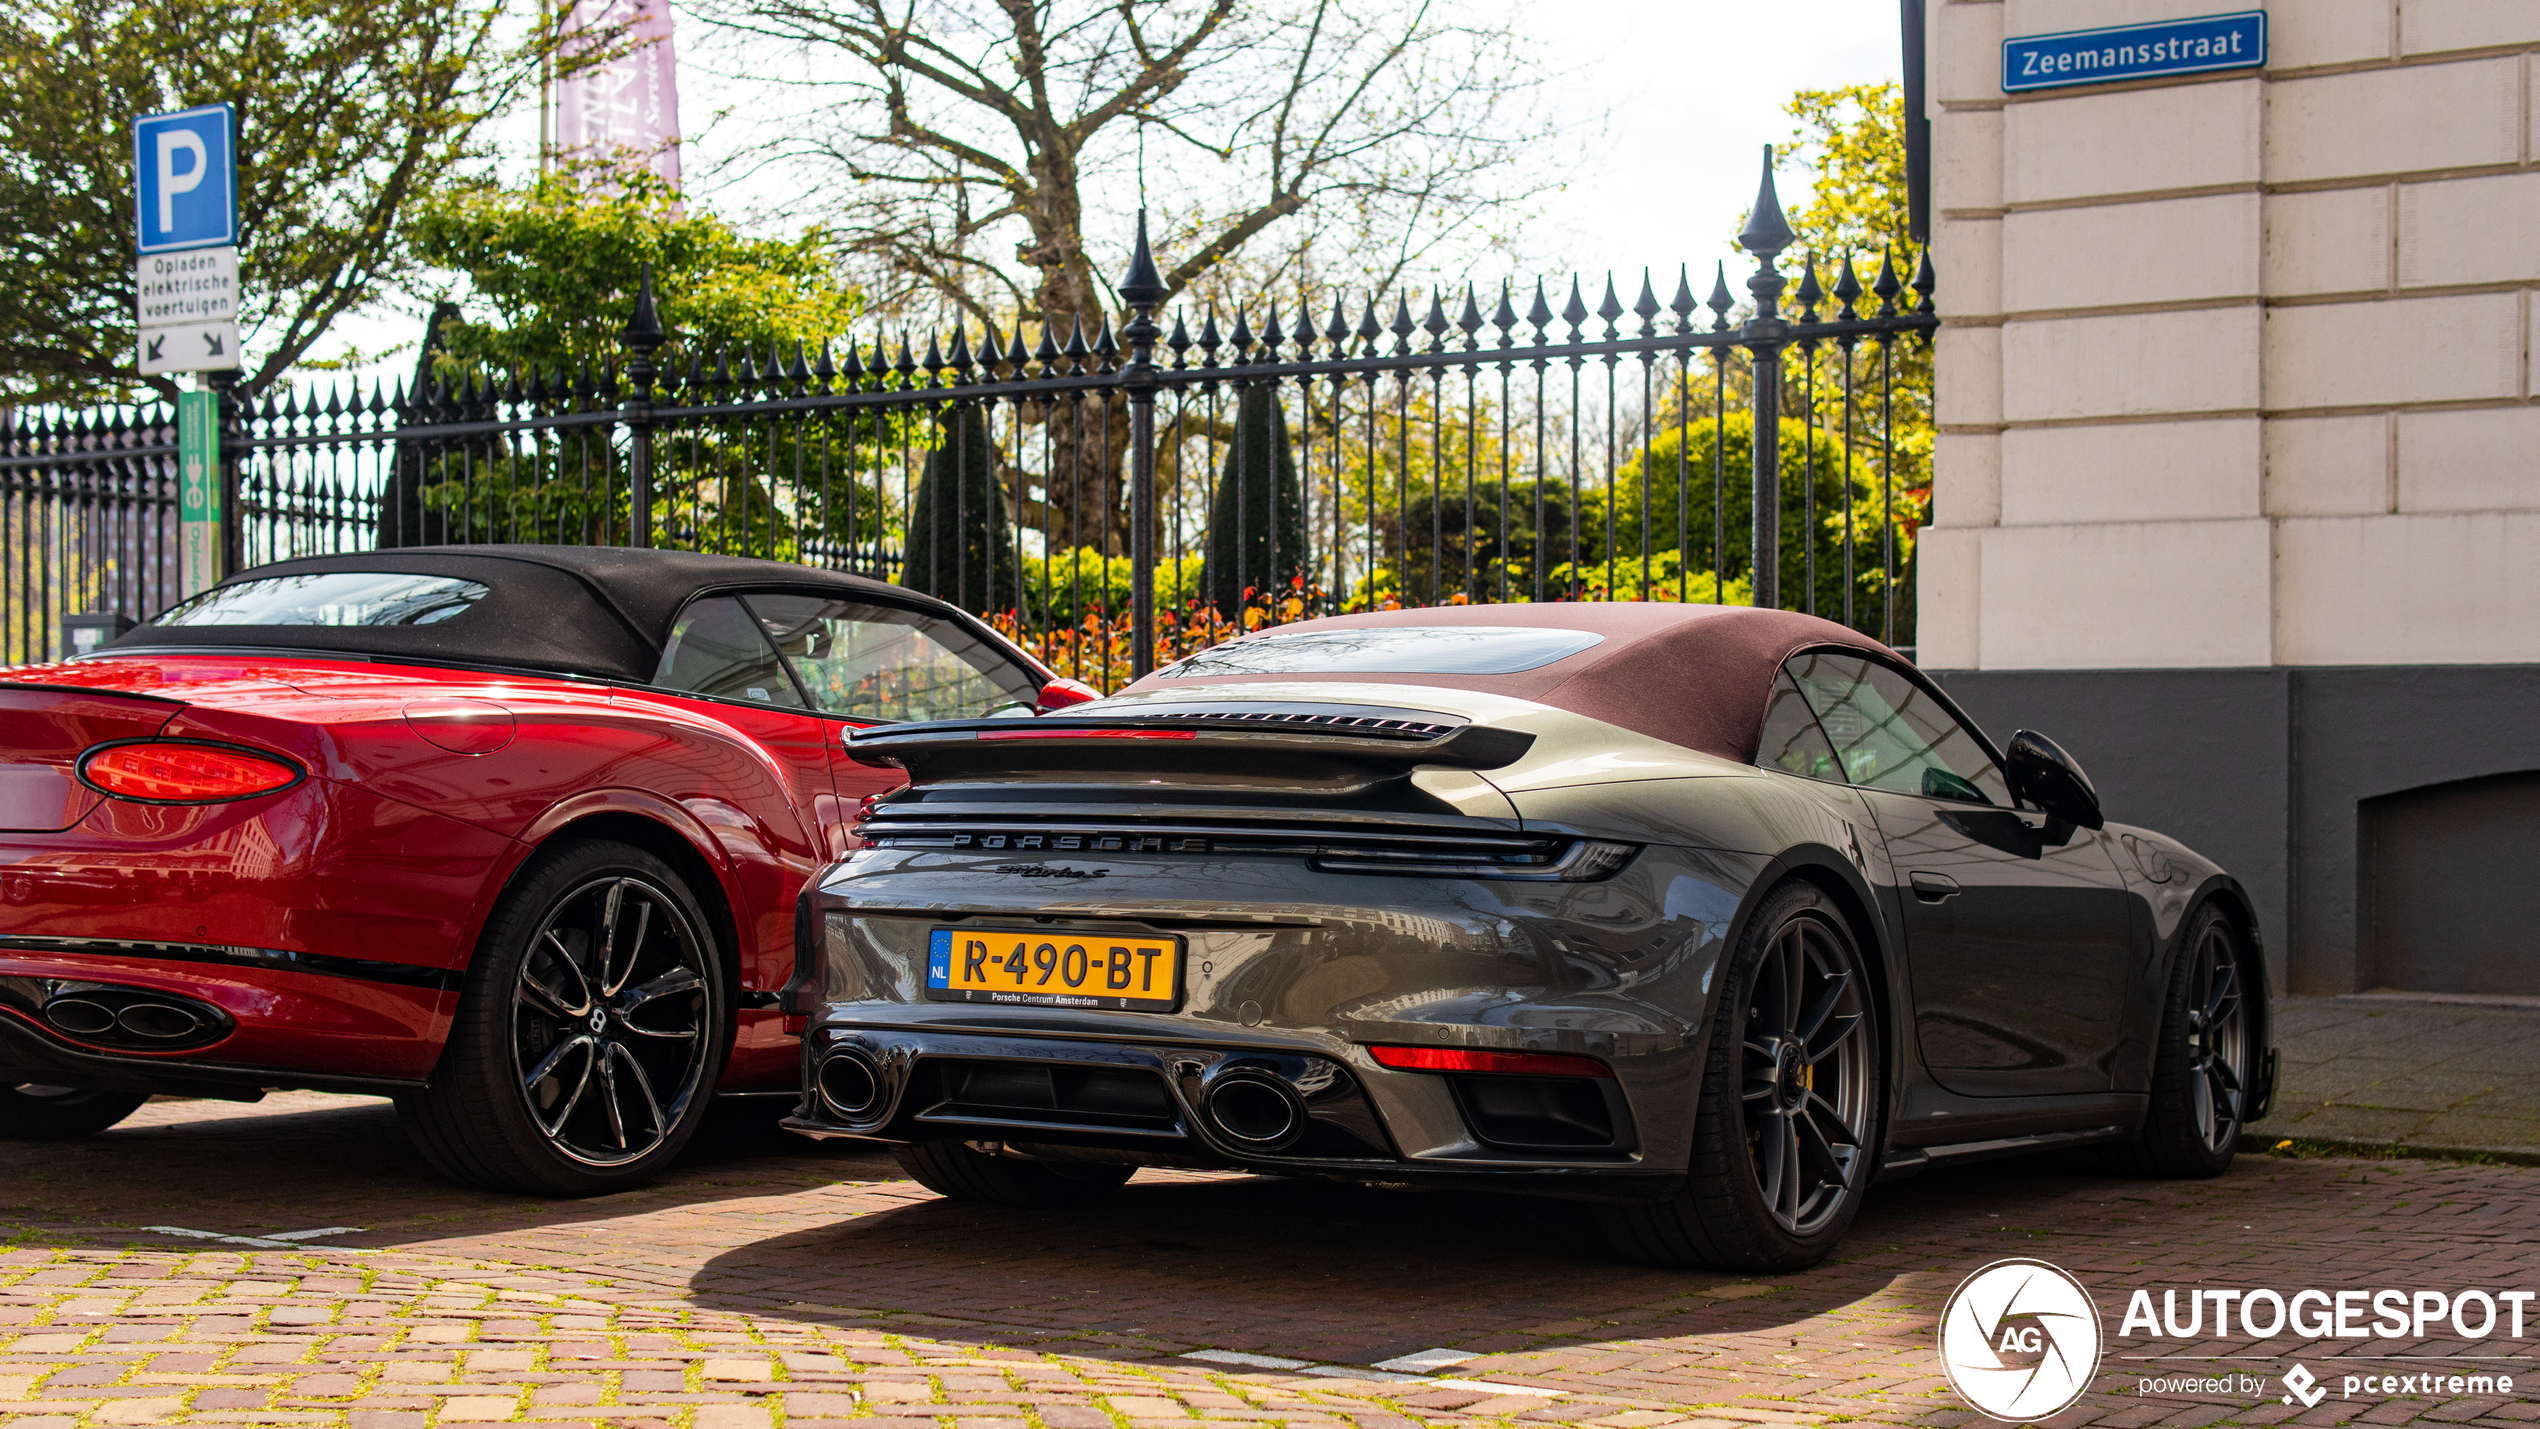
<point x="1712" y="915"/>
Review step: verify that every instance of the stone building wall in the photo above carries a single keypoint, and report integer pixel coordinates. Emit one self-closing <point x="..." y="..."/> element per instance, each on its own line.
<point x="2237" y="488"/>
<point x="2237" y="369"/>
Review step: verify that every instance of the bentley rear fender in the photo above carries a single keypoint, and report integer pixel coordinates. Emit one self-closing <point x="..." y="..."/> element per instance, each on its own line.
<point x="669" y="831"/>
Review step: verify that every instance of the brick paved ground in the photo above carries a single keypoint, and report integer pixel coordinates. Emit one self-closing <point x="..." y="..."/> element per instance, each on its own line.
<point x="2404" y="1071"/>
<point x="771" y="1283"/>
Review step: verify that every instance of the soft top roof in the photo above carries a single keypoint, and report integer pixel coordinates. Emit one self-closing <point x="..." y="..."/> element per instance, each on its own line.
<point x="601" y="611"/>
<point x="1694" y="675"/>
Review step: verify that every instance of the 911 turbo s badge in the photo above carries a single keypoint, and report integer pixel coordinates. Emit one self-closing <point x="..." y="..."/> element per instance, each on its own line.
<point x="1043" y="870"/>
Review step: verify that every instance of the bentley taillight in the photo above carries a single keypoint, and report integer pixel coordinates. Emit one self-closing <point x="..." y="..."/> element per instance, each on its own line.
<point x="165" y="771"/>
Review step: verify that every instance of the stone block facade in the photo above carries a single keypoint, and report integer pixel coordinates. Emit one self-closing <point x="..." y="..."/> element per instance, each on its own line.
<point x="2239" y="451"/>
<point x="2289" y="296"/>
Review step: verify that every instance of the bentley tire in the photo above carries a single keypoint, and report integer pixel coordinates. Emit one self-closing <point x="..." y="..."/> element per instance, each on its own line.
<point x="591" y="1030"/>
<point x="1785" y="1130"/>
<point x="33" y="1111"/>
<point x="953" y="1170"/>
<point x="2203" y="1062"/>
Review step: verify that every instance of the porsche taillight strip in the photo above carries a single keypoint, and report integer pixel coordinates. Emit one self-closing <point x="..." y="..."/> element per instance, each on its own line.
<point x="233" y="955"/>
<point x="1476" y="1059"/>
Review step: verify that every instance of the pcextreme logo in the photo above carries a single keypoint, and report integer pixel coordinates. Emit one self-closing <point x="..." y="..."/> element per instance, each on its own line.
<point x="2019" y="1340"/>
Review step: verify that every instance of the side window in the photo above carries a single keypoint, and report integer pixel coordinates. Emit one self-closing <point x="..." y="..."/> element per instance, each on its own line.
<point x="878" y="662"/>
<point x="716" y="649"/>
<point x="1791" y="738"/>
<point x="1888" y="733"/>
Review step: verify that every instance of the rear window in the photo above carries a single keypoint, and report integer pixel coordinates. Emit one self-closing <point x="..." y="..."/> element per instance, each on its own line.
<point x="1390" y="650"/>
<point x="336" y="598"/>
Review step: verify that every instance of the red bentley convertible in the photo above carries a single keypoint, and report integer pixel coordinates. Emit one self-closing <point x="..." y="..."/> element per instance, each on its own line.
<point x="511" y="834"/>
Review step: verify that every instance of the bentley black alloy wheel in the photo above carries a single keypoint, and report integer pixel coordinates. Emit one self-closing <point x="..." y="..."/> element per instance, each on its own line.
<point x="1786" y="1132"/>
<point x="2203" y="1066"/>
<point x="35" y="1111"/>
<point x="593" y="1030"/>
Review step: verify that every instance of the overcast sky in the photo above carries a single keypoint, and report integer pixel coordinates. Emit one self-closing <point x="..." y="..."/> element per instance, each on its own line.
<point x="1669" y="104"/>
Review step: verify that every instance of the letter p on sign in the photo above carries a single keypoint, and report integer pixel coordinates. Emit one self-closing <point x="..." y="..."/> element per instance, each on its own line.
<point x="184" y="179"/>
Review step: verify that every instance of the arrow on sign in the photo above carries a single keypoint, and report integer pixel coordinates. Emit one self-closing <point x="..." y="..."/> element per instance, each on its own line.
<point x="211" y="340"/>
<point x="155" y="343"/>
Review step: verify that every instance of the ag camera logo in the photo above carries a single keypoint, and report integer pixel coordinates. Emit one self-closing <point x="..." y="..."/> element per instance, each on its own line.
<point x="2019" y="1340"/>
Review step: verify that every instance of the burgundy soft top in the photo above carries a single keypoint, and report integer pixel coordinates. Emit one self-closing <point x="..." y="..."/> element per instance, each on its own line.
<point x="1695" y="675"/>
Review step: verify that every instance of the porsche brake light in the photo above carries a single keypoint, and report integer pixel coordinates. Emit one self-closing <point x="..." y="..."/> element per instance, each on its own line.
<point x="158" y="771"/>
<point x="1470" y="1059"/>
<point x="1090" y="734"/>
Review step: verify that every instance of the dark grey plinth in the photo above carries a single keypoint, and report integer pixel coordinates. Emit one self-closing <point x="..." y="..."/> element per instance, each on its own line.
<point x="2268" y="771"/>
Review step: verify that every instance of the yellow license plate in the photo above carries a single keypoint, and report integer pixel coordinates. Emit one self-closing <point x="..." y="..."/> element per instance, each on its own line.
<point x="1054" y="968"/>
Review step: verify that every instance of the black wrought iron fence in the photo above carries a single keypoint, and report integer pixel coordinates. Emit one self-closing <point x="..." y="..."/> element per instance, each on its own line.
<point x="1113" y="498"/>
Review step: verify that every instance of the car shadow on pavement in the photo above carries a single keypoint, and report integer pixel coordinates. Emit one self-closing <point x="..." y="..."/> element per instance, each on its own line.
<point x="303" y="1161"/>
<point x="1296" y="1268"/>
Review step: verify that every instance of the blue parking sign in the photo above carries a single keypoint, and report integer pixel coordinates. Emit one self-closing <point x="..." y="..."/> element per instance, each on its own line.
<point x="185" y="180"/>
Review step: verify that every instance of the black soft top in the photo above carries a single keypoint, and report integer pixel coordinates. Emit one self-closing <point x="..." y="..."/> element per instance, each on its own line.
<point x="601" y="611"/>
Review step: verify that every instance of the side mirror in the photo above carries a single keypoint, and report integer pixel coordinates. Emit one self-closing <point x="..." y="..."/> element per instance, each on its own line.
<point x="1061" y="692"/>
<point x="2043" y="774"/>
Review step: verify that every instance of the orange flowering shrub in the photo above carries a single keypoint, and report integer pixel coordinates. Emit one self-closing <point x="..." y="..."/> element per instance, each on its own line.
<point x="1098" y="648"/>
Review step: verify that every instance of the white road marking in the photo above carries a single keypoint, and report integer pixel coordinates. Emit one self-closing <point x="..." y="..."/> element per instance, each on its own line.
<point x="1426" y="1360"/>
<point x="279" y="1240"/>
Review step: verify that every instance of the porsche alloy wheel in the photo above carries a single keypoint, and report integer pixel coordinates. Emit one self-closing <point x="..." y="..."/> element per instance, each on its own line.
<point x="1805" y="1059"/>
<point x="34" y="1111"/>
<point x="2218" y="1039"/>
<point x="1786" y="1128"/>
<point x="2203" y="1067"/>
<point x="591" y="1033"/>
<point x="609" y="1020"/>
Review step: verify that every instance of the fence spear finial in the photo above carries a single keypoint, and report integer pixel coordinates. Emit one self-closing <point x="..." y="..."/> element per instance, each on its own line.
<point x="1767" y="233"/>
<point x="1143" y="287"/>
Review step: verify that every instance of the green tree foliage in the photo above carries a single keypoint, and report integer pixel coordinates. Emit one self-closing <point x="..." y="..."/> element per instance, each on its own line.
<point x="1853" y="137"/>
<point x="1256" y="525"/>
<point x="349" y="113"/>
<point x="960" y="539"/>
<point x="553" y="269"/>
<point x="1441" y="542"/>
<point x="551" y="273"/>
<point x="1071" y="585"/>
<point x="1702" y="476"/>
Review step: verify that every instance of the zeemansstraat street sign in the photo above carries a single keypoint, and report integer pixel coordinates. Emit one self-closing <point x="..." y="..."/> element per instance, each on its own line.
<point x="2147" y="51"/>
<point x="185" y="224"/>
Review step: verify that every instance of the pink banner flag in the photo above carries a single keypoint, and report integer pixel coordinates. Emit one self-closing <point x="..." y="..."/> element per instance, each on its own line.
<point x="623" y="110"/>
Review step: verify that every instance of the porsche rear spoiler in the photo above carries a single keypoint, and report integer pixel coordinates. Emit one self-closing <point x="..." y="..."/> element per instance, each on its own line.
<point x="1208" y="750"/>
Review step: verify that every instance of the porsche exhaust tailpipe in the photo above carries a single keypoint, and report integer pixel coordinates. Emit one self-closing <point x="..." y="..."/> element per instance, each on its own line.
<point x="1255" y="1107"/>
<point x="850" y="1085"/>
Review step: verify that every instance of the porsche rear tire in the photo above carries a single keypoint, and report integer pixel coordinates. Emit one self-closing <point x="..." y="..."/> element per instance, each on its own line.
<point x="2204" y="1065"/>
<point x="593" y="1026"/>
<point x="34" y="1111"/>
<point x="952" y="1170"/>
<point x="1786" y="1126"/>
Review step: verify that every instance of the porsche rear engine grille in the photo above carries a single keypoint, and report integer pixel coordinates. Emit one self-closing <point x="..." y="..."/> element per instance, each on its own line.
<point x="1360" y="845"/>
